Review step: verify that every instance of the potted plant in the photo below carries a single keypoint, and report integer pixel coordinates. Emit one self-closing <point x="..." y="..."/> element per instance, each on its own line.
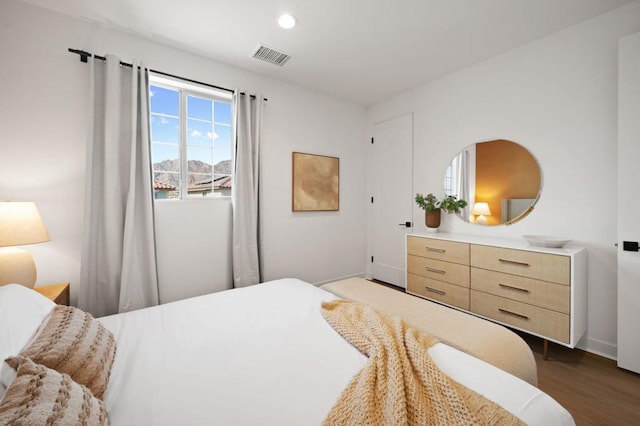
<point x="434" y="206"/>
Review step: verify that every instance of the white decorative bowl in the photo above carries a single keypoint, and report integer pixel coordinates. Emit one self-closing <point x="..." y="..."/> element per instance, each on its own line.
<point x="546" y="241"/>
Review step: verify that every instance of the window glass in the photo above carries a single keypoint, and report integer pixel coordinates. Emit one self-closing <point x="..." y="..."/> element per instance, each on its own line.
<point x="166" y="157"/>
<point x="222" y="144"/>
<point x="222" y="112"/>
<point x="165" y="128"/>
<point x="199" y="159"/>
<point x="199" y="108"/>
<point x="199" y="133"/>
<point x="191" y="145"/>
<point x="166" y="185"/>
<point x="165" y="101"/>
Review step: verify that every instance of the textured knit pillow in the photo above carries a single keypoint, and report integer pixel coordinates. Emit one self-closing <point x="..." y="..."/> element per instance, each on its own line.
<point x="41" y="396"/>
<point x="22" y="311"/>
<point x="71" y="341"/>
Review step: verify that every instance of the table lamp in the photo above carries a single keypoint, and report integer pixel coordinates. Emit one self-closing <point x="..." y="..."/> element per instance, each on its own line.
<point x="481" y="210"/>
<point x="20" y="224"/>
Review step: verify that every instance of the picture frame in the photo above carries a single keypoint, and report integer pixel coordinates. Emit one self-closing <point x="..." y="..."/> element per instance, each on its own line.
<point x="315" y="182"/>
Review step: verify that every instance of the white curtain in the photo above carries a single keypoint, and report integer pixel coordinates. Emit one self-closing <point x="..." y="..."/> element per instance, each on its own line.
<point x="246" y="241"/>
<point x="462" y="184"/>
<point x="118" y="271"/>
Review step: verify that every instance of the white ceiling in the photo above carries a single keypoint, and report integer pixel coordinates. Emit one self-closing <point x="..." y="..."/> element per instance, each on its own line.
<point x="361" y="50"/>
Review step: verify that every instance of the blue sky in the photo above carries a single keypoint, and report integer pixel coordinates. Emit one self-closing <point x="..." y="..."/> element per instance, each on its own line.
<point x="207" y="121"/>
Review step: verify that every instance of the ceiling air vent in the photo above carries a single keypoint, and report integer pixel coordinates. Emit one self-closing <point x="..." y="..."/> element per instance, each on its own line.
<point x="272" y="56"/>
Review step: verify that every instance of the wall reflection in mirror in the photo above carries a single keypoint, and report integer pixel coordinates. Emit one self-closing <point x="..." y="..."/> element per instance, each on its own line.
<point x="500" y="180"/>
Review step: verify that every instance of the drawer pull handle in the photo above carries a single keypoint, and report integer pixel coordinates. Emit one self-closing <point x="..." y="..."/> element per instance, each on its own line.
<point x="513" y="262"/>
<point x="437" y="250"/>
<point x="524" y="290"/>
<point x="515" y="314"/>
<point x="435" y="271"/>
<point x="436" y="291"/>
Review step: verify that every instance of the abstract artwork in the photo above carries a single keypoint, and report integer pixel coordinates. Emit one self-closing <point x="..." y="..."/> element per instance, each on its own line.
<point x="316" y="183"/>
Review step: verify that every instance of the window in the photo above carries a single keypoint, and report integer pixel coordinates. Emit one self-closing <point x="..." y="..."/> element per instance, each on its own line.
<point x="191" y="140"/>
<point x="448" y="180"/>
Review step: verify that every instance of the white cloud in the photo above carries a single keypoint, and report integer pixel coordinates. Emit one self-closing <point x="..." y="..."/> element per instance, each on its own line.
<point x="211" y="135"/>
<point x="163" y="120"/>
<point x="196" y="134"/>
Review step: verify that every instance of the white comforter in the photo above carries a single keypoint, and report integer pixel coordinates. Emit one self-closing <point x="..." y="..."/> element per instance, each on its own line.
<point x="264" y="355"/>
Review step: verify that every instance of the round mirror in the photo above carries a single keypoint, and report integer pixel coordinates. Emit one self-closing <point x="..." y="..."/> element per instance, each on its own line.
<point x="500" y="180"/>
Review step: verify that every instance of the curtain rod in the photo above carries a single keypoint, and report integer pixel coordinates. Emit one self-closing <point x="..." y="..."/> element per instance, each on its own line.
<point x="85" y="55"/>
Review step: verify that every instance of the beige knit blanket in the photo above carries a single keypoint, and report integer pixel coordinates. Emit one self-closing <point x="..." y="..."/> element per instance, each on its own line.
<point x="400" y="384"/>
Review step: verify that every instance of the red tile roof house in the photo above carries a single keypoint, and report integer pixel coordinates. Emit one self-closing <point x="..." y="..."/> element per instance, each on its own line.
<point x="163" y="190"/>
<point x="221" y="187"/>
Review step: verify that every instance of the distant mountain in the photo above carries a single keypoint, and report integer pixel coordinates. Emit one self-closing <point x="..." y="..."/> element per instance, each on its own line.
<point x="223" y="167"/>
<point x="193" y="166"/>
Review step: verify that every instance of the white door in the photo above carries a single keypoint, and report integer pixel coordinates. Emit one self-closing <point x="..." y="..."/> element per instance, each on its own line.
<point x="628" y="203"/>
<point x="392" y="198"/>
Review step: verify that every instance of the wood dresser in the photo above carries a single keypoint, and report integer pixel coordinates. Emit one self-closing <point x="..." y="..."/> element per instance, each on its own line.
<point x="542" y="291"/>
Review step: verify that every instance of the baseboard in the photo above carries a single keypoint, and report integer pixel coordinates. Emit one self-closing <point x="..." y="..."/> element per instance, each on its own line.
<point x="359" y="275"/>
<point x="598" y="347"/>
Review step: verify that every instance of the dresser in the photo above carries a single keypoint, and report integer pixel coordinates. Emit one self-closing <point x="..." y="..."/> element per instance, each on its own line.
<point x="541" y="291"/>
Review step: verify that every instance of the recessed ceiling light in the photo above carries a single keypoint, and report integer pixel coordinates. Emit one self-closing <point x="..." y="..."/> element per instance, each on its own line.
<point x="287" y="21"/>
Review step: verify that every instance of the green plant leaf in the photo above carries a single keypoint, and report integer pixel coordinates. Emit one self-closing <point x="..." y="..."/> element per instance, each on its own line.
<point x="450" y="203"/>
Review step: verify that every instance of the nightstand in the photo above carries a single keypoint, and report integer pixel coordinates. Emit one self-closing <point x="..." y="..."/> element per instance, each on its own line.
<point x="59" y="293"/>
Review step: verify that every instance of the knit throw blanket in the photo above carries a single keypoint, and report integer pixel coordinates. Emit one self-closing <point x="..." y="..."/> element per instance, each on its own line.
<point x="400" y="384"/>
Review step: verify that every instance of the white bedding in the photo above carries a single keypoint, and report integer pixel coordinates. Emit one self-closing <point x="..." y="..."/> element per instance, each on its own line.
<point x="264" y="355"/>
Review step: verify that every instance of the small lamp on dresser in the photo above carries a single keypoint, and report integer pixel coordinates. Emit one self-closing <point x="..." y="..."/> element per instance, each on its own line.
<point x="20" y="224"/>
<point x="481" y="210"/>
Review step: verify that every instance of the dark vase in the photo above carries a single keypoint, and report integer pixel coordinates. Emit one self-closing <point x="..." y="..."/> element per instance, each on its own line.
<point x="432" y="218"/>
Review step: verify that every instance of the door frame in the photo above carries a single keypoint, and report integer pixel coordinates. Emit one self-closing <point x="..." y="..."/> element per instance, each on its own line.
<point x="370" y="161"/>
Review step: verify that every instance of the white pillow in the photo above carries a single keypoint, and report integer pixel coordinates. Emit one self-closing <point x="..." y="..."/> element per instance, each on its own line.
<point x="22" y="310"/>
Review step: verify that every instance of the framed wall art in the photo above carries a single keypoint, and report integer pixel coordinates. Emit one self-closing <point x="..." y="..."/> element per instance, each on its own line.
<point x="316" y="183"/>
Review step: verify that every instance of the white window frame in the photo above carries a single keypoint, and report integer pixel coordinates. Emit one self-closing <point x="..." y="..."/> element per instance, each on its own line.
<point x="195" y="90"/>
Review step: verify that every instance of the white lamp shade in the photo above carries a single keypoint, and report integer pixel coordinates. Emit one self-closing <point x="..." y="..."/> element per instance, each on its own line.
<point x="481" y="209"/>
<point x="20" y="224"/>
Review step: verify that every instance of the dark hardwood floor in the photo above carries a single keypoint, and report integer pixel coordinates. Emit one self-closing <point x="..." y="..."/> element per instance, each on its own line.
<point x="592" y="388"/>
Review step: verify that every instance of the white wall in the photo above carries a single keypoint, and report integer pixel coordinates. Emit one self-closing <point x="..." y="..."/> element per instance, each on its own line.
<point x="43" y="115"/>
<point x="557" y="97"/>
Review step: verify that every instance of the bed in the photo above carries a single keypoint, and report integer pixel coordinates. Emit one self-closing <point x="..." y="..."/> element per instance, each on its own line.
<point x="259" y="355"/>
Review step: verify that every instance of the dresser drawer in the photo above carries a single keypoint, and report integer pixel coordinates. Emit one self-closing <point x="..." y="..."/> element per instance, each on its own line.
<point x="437" y="290"/>
<point x="452" y="273"/>
<point x="544" y="322"/>
<point x="547" y="295"/>
<point x="542" y="266"/>
<point x="449" y="251"/>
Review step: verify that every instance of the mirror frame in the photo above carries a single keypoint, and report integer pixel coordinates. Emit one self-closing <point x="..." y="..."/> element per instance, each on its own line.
<point x="466" y="159"/>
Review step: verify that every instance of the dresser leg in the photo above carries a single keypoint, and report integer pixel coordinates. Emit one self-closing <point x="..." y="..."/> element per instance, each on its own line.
<point x="545" y="350"/>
